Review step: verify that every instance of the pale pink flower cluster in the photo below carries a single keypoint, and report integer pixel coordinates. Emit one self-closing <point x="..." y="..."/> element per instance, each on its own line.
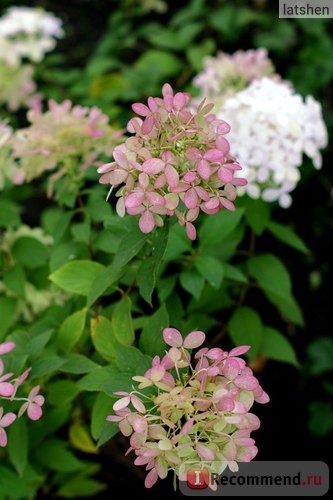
<point x="176" y="163"/>
<point x="226" y="74"/>
<point x="65" y="137"/>
<point x="16" y="85"/>
<point x="32" y="404"/>
<point x="191" y="415"/>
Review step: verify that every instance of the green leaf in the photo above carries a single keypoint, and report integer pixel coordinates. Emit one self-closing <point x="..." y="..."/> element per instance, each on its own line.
<point x="129" y="359"/>
<point x="103" y="406"/>
<point x="77" y="276"/>
<point x="81" y="231"/>
<point x="321" y="418"/>
<point x="215" y="229"/>
<point x="246" y="328"/>
<point x="277" y="346"/>
<point x="122" y="321"/>
<point x="80" y="438"/>
<point x="9" y="214"/>
<point x="14" y="486"/>
<point x="157" y="65"/>
<point x="61" y="390"/>
<point x="257" y="214"/>
<point x="274" y="279"/>
<point x="151" y="340"/>
<point x="149" y="268"/>
<point x="55" y="454"/>
<point x="178" y="243"/>
<point x="14" y="280"/>
<point x="211" y="270"/>
<point x="107" y="379"/>
<point x="287" y="235"/>
<point x="103" y="337"/>
<point x="37" y="344"/>
<point x="71" y="330"/>
<point x="78" y="364"/>
<point x="30" y="252"/>
<point x="129" y="247"/>
<point x="79" y="487"/>
<point x="192" y="282"/>
<point x="45" y="365"/>
<point x="233" y="273"/>
<point x="7" y="314"/>
<point x="18" y="445"/>
<point x="320" y="353"/>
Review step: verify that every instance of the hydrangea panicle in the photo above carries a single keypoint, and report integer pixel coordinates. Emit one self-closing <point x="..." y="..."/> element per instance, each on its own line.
<point x="177" y="163"/>
<point x="271" y="128"/>
<point x="195" y="414"/>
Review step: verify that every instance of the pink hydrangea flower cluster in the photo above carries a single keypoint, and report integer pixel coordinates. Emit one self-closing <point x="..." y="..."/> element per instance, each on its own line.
<point x="32" y="404"/>
<point x="177" y="163"/>
<point x="65" y="137"/>
<point x="226" y="74"/>
<point x="192" y="415"/>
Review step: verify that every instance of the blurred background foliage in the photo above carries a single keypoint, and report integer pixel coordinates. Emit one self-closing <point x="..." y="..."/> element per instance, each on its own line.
<point x="116" y="52"/>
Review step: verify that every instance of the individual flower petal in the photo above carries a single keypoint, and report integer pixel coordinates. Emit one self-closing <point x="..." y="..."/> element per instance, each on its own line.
<point x="153" y="166"/>
<point x="146" y="222"/>
<point x="172" y="337"/>
<point x="194" y="339"/>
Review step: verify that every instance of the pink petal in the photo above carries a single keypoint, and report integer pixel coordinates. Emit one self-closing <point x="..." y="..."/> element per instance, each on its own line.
<point x="229" y="451"/>
<point x="191" y="198"/>
<point x="116" y="177"/>
<point x="214" y="155"/>
<point x="147" y="125"/>
<point x="226" y="404"/>
<point x="223" y="127"/>
<point x="204" y="169"/>
<point x="227" y="204"/>
<point x="146" y="222"/>
<point x="6" y="347"/>
<point x="238" y="351"/>
<point x="187" y="426"/>
<point x="34" y="411"/>
<point x="224" y="175"/>
<point x="140" y="109"/>
<point x="120" y="157"/>
<point x="151" y="478"/>
<point x="144" y="180"/>
<point x="134" y="199"/>
<point x="152" y="104"/>
<point x="230" y="369"/>
<point x="215" y="353"/>
<point x="121" y="403"/>
<point x="189" y="177"/>
<point x="3" y="438"/>
<point x="204" y="452"/>
<point x="194" y="339"/>
<point x="247" y="382"/>
<point x="134" y="126"/>
<point x="155" y="199"/>
<point x="223" y="145"/>
<point x="246" y="454"/>
<point x="179" y="101"/>
<point x="153" y="166"/>
<point x="191" y="231"/>
<point x="7" y="419"/>
<point x="212" y="203"/>
<point x="239" y="181"/>
<point x="171" y="176"/>
<point x="193" y="154"/>
<point x="172" y="337"/>
<point x="39" y="400"/>
<point x="138" y="404"/>
<point x="6" y="389"/>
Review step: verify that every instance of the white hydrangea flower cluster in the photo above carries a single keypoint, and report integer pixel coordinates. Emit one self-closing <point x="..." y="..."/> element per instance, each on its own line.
<point x="271" y="128"/>
<point x="27" y="33"/>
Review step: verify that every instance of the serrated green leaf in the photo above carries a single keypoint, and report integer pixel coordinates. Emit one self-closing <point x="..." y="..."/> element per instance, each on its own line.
<point x="275" y="281"/>
<point x="55" y="454"/>
<point x="151" y="340"/>
<point x="71" y="330"/>
<point x="78" y="364"/>
<point x="257" y="214"/>
<point x="288" y="236"/>
<point x="192" y="282"/>
<point x="103" y="337"/>
<point x="77" y="276"/>
<point x="107" y="379"/>
<point x="233" y="273"/>
<point x="18" y="445"/>
<point x="129" y="359"/>
<point x="215" y="229"/>
<point x="61" y="390"/>
<point x="246" y="328"/>
<point x="277" y="346"/>
<point x="122" y="321"/>
<point x="30" y="252"/>
<point x="211" y="270"/>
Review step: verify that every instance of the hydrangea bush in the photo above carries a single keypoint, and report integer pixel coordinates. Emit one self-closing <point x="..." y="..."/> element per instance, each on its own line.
<point x="122" y="226"/>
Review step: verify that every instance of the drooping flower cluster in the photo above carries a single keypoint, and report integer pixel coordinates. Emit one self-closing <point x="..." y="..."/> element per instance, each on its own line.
<point x="65" y="137"/>
<point x="271" y="128"/>
<point x="32" y="404"/>
<point x="27" y="33"/>
<point x="191" y="416"/>
<point x="226" y="74"/>
<point x="176" y="163"/>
